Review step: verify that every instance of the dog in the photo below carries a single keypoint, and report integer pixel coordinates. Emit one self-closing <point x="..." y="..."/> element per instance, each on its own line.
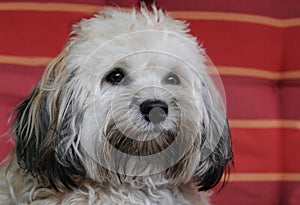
<point x="126" y="114"/>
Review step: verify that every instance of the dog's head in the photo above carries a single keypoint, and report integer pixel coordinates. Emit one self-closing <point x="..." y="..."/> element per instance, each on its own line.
<point x="128" y="98"/>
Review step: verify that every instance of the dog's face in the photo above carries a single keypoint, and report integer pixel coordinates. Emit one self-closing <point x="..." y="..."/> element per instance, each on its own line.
<point x="128" y="98"/>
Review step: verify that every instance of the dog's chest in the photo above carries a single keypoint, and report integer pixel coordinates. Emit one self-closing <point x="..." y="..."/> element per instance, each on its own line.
<point x="133" y="196"/>
<point x="125" y="196"/>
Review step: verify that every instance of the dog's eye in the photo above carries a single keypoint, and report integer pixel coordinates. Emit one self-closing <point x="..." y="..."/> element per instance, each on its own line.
<point x="115" y="76"/>
<point x="172" y="79"/>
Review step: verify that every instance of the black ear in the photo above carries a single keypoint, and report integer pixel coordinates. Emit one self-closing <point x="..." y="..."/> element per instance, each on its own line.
<point x="216" y="151"/>
<point x="43" y="131"/>
<point x="217" y="162"/>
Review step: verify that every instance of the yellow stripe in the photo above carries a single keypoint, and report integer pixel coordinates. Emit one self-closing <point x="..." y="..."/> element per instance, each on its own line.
<point x="196" y="15"/>
<point x="252" y="72"/>
<point x="238" y="17"/>
<point x="27" y="61"/>
<point x="249" y="72"/>
<point x="290" y="75"/>
<point x="222" y="70"/>
<point x="250" y="177"/>
<point x="295" y="124"/>
<point x="34" y="6"/>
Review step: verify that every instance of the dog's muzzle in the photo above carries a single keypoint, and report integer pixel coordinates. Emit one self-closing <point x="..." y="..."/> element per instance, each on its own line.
<point x="154" y="111"/>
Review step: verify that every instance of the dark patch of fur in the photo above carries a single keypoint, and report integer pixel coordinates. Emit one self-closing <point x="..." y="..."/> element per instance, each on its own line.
<point x="219" y="160"/>
<point x="37" y="154"/>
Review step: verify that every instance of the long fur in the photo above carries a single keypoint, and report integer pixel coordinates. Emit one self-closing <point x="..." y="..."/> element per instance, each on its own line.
<point x="82" y="140"/>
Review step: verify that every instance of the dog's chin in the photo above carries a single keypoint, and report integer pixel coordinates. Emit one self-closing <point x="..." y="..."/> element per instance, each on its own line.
<point x="165" y="155"/>
<point x="152" y="140"/>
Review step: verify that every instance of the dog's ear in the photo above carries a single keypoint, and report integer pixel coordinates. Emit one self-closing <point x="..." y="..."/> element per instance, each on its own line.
<point x="215" y="151"/>
<point x="45" y="127"/>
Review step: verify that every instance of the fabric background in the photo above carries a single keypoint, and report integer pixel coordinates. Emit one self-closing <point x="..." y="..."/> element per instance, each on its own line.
<point x="255" y="46"/>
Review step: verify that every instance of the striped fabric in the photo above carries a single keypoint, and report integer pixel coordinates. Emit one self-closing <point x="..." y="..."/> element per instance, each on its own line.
<point x="255" y="46"/>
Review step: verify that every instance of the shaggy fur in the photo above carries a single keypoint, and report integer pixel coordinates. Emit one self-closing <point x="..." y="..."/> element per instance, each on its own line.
<point x="81" y="137"/>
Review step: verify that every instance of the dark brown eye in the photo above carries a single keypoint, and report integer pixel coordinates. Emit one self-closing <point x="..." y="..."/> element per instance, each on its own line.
<point x="172" y="79"/>
<point x="115" y="77"/>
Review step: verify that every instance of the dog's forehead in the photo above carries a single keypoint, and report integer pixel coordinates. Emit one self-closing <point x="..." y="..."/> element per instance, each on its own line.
<point x="103" y="42"/>
<point x="163" y="44"/>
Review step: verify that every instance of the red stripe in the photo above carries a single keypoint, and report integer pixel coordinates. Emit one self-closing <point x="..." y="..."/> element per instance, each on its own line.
<point x="258" y="193"/>
<point x="29" y="33"/>
<point x="251" y="98"/>
<point x="240" y="44"/>
<point x="291" y="144"/>
<point x="291" y="48"/>
<point x="258" y="150"/>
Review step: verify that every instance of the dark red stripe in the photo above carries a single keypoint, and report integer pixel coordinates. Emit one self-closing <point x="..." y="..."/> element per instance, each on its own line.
<point x="15" y="83"/>
<point x="6" y="146"/>
<point x="258" y="150"/>
<point x="290" y="193"/>
<point x="291" y="142"/>
<point x="251" y="98"/>
<point x="258" y="193"/>
<point x="18" y="81"/>
<point x="290" y="99"/>
<point x="119" y="3"/>
<point x="272" y="8"/>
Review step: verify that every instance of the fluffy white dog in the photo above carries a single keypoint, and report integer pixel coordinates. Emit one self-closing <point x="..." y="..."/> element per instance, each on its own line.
<point x="126" y="114"/>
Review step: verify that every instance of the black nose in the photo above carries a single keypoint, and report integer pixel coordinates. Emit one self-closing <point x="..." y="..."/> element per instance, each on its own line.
<point x="154" y="111"/>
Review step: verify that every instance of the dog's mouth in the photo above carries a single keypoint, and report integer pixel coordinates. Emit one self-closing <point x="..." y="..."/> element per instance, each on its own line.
<point x="132" y="142"/>
<point x="146" y="148"/>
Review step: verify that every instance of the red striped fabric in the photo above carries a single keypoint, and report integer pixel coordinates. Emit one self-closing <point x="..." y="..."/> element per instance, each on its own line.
<point x="290" y="101"/>
<point x="240" y="96"/>
<point x="291" y="144"/>
<point x="255" y="45"/>
<point x="237" y="43"/>
<point x="291" y="46"/>
<point x="274" y="8"/>
<point x="49" y="30"/>
<point x="257" y="150"/>
<point x="275" y="193"/>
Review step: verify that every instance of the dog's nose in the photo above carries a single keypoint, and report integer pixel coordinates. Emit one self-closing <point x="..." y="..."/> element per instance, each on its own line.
<point x="154" y="111"/>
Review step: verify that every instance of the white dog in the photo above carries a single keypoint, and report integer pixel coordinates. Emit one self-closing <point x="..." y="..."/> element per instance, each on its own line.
<point x="126" y="114"/>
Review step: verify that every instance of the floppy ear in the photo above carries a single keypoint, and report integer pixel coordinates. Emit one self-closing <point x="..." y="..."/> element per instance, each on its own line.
<point x="45" y="127"/>
<point x="215" y="151"/>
